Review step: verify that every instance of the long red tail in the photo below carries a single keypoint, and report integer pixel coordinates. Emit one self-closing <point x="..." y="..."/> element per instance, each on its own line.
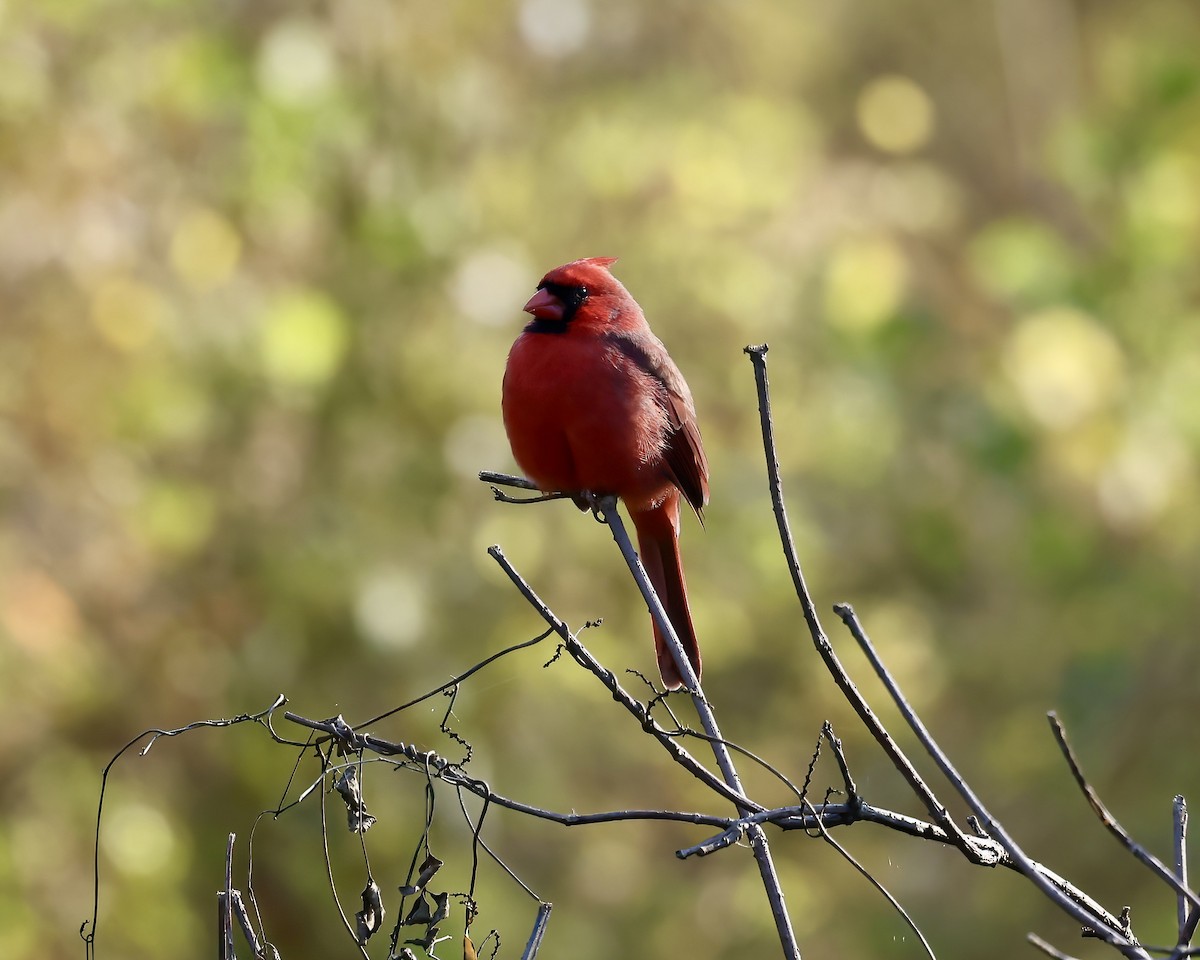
<point x="658" y="546"/>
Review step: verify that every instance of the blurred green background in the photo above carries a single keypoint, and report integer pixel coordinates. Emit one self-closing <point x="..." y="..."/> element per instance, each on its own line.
<point x="260" y="264"/>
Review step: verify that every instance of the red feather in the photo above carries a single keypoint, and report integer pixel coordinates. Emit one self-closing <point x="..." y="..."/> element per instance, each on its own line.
<point x="593" y="402"/>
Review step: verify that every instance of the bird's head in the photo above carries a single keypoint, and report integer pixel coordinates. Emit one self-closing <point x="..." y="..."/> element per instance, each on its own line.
<point x="583" y="292"/>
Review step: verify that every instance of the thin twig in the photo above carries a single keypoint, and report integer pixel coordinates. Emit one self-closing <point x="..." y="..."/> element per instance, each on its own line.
<point x="1046" y="948"/>
<point x="1189" y="931"/>
<point x="839" y="754"/>
<point x="749" y="755"/>
<point x="1109" y="928"/>
<point x="758" y="839"/>
<point x="456" y="681"/>
<point x="1071" y="900"/>
<point x="937" y="810"/>
<point x="337" y="901"/>
<point x="498" y="480"/>
<point x="87" y="930"/>
<point x="1179" y="818"/>
<point x="507" y="480"/>
<point x="477" y="840"/>
<point x="1140" y="853"/>
<point x="539" y="931"/>
<point x="225" y="906"/>
<point x="904" y="915"/>
<point x="582" y="656"/>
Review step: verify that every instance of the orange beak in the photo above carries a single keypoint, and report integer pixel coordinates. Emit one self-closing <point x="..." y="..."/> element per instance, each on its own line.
<point x="545" y="306"/>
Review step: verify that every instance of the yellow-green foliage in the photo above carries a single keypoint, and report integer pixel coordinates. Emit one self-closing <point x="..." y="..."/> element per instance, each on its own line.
<point x="260" y="265"/>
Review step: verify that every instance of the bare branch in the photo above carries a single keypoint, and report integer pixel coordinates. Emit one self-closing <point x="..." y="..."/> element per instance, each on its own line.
<point x="887" y="894"/>
<point x="498" y="480"/>
<point x="1180" y="819"/>
<point x="1046" y="948"/>
<point x="225" y="907"/>
<point x="1156" y="866"/>
<point x="1080" y="907"/>
<point x="758" y="839"/>
<point x="937" y="810"/>
<point x="1072" y="901"/>
<point x="582" y="656"/>
<point x="539" y="931"/>
<point x="451" y="774"/>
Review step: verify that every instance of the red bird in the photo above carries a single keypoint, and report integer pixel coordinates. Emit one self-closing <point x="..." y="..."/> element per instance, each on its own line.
<point x="594" y="404"/>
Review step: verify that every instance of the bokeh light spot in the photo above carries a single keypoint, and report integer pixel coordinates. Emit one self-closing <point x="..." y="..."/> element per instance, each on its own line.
<point x="1018" y="257"/>
<point x="895" y="115"/>
<point x="178" y="517"/>
<point x="36" y="612"/>
<point x="864" y="283"/>
<point x="1136" y="485"/>
<point x="295" y="63"/>
<point x="1064" y="366"/>
<point x="489" y="287"/>
<point x="204" y="249"/>
<point x="138" y="839"/>
<point x="127" y="312"/>
<point x="554" y="28"/>
<point x="390" y="607"/>
<point x="304" y="339"/>
<point x="1167" y="192"/>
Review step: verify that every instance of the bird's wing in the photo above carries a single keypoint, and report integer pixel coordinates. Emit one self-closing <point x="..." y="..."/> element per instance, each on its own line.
<point x="684" y="459"/>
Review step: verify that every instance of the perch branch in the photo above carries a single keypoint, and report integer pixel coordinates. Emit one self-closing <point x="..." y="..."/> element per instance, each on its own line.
<point x="758" y="839"/>
<point x="585" y="659"/>
<point x="496" y="480"/>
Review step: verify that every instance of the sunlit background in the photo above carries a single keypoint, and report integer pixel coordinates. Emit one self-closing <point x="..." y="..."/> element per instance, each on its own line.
<point x="260" y="265"/>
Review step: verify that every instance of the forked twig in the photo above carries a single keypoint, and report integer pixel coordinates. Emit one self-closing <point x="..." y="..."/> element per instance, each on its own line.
<point x="937" y="810"/>
<point x="497" y="480"/>
<point x="1086" y="912"/>
<point x="1066" y="896"/>
<point x="582" y="656"/>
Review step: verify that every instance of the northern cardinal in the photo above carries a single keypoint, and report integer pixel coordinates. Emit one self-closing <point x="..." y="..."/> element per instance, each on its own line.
<point x="593" y="404"/>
